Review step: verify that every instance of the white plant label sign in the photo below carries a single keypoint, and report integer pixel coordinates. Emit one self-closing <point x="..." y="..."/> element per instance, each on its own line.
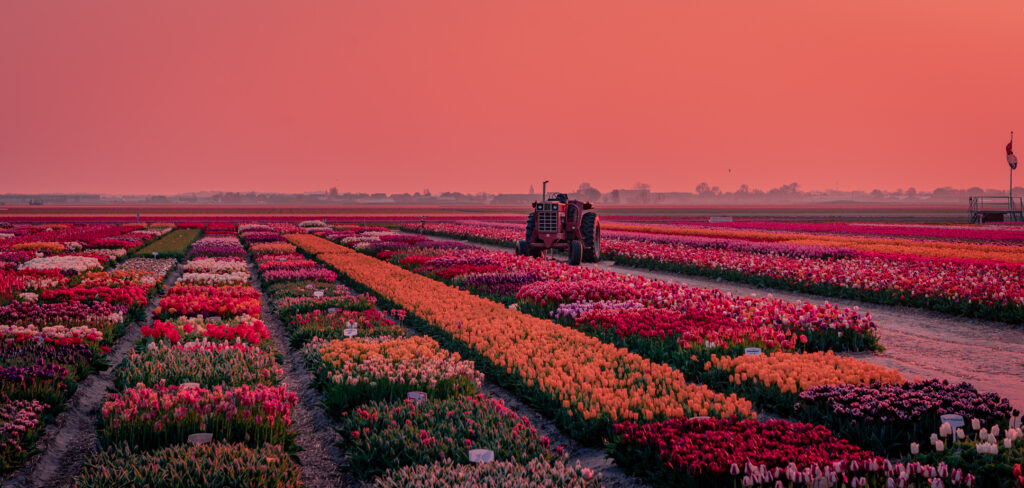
<point x="752" y="351"/>
<point x="481" y="456"/>
<point x="955" y="421"/>
<point x="200" y="438"/>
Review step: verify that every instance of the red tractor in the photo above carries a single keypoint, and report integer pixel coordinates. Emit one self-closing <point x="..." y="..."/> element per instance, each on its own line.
<point x="560" y="223"/>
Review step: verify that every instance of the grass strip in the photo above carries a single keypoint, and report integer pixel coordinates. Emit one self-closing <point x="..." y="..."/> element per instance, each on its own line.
<point x="172" y="245"/>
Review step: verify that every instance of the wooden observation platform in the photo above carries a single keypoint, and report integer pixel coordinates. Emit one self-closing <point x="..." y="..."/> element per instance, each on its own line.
<point x="996" y="209"/>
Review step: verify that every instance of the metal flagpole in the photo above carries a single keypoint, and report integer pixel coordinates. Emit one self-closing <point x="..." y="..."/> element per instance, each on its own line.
<point x="1011" y="159"/>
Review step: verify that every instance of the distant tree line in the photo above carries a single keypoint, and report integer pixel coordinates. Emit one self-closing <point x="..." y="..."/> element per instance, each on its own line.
<point x="638" y="194"/>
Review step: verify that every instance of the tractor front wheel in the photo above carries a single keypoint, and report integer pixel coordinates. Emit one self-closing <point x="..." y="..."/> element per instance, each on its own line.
<point x="531" y="222"/>
<point x="522" y="247"/>
<point x="575" y="253"/>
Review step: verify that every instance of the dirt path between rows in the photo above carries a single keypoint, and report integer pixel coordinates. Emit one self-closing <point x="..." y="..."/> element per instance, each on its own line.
<point x="72" y="438"/>
<point x="918" y="343"/>
<point x="321" y="458"/>
<point x="594" y="458"/>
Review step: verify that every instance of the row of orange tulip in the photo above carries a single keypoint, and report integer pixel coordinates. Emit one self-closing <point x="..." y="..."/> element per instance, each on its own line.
<point x="590" y="380"/>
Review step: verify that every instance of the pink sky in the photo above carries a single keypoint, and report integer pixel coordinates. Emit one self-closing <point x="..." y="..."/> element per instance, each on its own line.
<point x="393" y="96"/>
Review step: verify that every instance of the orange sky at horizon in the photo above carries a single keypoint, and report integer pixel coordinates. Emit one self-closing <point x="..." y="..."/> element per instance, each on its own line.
<point x="400" y="96"/>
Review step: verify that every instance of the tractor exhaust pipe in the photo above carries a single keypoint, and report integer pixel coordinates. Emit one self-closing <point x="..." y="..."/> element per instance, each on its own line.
<point x="544" y="191"/>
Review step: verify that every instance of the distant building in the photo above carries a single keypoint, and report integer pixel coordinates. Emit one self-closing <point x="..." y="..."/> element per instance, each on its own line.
<point x="375" y="200"/>
<point x="513" y="199"/>
<point x="627" y="197"/>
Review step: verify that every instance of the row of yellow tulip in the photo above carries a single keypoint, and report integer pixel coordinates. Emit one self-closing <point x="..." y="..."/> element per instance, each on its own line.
<point x="561" y="369"/>
<point x="338" y="353"/>
<point x="796" y="372"/>
<point x="775" y="381"/>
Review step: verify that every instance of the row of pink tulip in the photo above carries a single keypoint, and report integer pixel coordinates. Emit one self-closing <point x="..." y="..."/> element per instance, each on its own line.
<point x="221" y="384"/>
<point x="59" y="313"/>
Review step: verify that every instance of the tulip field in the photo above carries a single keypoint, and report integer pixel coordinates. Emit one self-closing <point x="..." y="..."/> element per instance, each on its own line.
<point x="288" y="354"/>
<point x="951" y="271"/>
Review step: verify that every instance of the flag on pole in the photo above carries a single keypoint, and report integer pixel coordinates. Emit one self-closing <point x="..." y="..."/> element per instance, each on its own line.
<point x="1010" y="158"/>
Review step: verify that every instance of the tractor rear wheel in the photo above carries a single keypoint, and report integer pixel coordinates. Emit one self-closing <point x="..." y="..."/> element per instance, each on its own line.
<point x="575" y="253"/>
<point x="590" y="227"/>
<point x="531" y="221"/>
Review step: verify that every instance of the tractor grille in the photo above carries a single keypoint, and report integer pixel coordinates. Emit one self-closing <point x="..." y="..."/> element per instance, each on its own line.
<point x="547" y="221"/>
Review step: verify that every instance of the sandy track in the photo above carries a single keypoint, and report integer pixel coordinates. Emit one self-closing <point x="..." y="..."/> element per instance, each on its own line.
<point x="918" y="343"/>
<point x="72" y="438"/>
<point x="594" y="458"/>
<point x="321" y="458"/>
